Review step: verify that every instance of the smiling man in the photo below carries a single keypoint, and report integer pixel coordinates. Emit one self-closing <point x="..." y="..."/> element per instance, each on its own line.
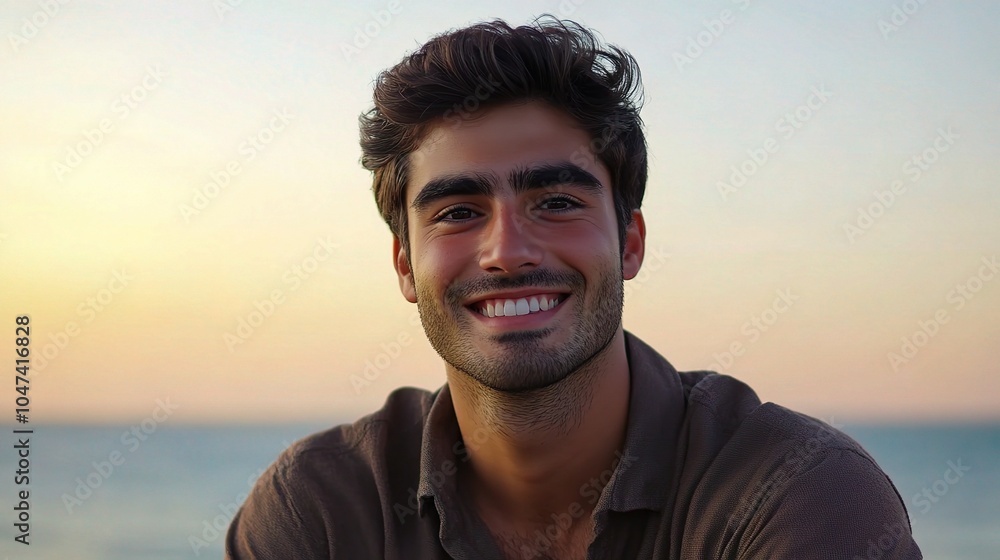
<point x="510" y="165"/>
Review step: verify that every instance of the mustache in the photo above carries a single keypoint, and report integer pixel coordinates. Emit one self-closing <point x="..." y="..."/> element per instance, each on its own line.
<point x="538" y="278"/>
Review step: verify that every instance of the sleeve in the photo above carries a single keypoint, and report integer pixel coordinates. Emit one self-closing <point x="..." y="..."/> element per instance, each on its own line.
<point x="275" y="522"/>
<point x="844" y="506"/>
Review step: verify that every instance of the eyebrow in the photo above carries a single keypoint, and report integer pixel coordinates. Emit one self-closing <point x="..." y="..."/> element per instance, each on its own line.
<point x="453" y="185"/>
<point x="521" y="180"/>
<point x="548" y="175"/>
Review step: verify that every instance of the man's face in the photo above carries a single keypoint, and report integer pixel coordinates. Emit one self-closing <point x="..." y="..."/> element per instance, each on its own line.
<point x="516" y="266"/>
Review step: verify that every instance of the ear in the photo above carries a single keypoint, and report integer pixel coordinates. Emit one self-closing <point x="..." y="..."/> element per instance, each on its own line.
<point x="402" y="263"/>
<point x="635" y="246"/>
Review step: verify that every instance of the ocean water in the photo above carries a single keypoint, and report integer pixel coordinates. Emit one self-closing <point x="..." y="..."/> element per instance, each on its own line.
<point x="101" y="493"/>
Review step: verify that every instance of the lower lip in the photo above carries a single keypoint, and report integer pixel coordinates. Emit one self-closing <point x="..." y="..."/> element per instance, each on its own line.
<point x="521" y="321"/>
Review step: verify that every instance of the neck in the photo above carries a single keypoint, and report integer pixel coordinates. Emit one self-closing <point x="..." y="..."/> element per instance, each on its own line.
<point x="549" y="451"/>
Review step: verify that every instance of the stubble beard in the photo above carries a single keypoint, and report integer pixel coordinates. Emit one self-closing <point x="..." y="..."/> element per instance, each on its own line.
<point x="523" y="362"/>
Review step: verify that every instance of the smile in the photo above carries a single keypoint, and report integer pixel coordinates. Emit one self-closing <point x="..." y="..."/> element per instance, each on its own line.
<point x="518" y="306"/>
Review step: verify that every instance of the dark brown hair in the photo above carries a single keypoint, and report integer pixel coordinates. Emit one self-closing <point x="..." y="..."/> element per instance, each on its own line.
<point x="456" y="74"/>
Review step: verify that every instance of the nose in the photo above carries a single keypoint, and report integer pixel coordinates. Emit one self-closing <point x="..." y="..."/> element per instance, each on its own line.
<point x="509" y="243"/>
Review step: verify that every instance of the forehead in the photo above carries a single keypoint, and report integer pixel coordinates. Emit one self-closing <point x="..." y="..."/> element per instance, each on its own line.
<point x="499" y="140"/>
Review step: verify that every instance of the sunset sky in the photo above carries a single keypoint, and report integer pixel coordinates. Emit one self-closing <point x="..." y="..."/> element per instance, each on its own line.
<point x="170" y="172"/>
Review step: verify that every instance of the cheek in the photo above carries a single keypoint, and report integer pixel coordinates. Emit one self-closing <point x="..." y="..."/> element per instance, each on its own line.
<point x="585" y="239"/>
<point x="441" y="262"/>
<point x="594" y="253"/>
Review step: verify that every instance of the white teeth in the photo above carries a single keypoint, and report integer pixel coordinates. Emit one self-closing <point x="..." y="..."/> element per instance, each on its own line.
<point x="509" y="308"/>
<point x="521" y="306"/>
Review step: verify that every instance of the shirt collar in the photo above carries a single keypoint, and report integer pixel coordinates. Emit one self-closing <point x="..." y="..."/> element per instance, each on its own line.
<point x="656" y="411"/>
<point x="442" y="441"/>
<point x="641" y="479"/>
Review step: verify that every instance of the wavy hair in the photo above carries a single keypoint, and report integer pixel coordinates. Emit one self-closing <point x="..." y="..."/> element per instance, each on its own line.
<point x="461" y="72"/>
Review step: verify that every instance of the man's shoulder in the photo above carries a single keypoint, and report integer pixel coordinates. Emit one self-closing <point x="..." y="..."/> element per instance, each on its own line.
<point x="393" y="431"/>
<point x="754" y="472"/>
<point x="349" y="463"/>
<point x="731" y="409"/>
<point x="722" y="415"/>
<point x="325" y="492"/>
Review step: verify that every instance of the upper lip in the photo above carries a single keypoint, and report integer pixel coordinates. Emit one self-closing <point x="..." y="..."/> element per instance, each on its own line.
<point x="515" y="294"/>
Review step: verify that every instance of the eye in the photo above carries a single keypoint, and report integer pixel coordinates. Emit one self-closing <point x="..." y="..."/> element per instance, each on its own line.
<point x="559" y="203"/>
<point x="455" y="214"/>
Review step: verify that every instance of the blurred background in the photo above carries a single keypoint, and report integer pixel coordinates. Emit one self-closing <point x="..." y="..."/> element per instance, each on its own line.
<point x="184" y="220"/>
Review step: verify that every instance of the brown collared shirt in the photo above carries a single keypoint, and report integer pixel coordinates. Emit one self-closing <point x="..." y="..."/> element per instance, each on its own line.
<point x="707" y="471"/>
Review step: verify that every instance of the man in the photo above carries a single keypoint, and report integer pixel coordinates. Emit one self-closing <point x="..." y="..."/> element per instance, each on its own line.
<point x="510" y="165"/>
